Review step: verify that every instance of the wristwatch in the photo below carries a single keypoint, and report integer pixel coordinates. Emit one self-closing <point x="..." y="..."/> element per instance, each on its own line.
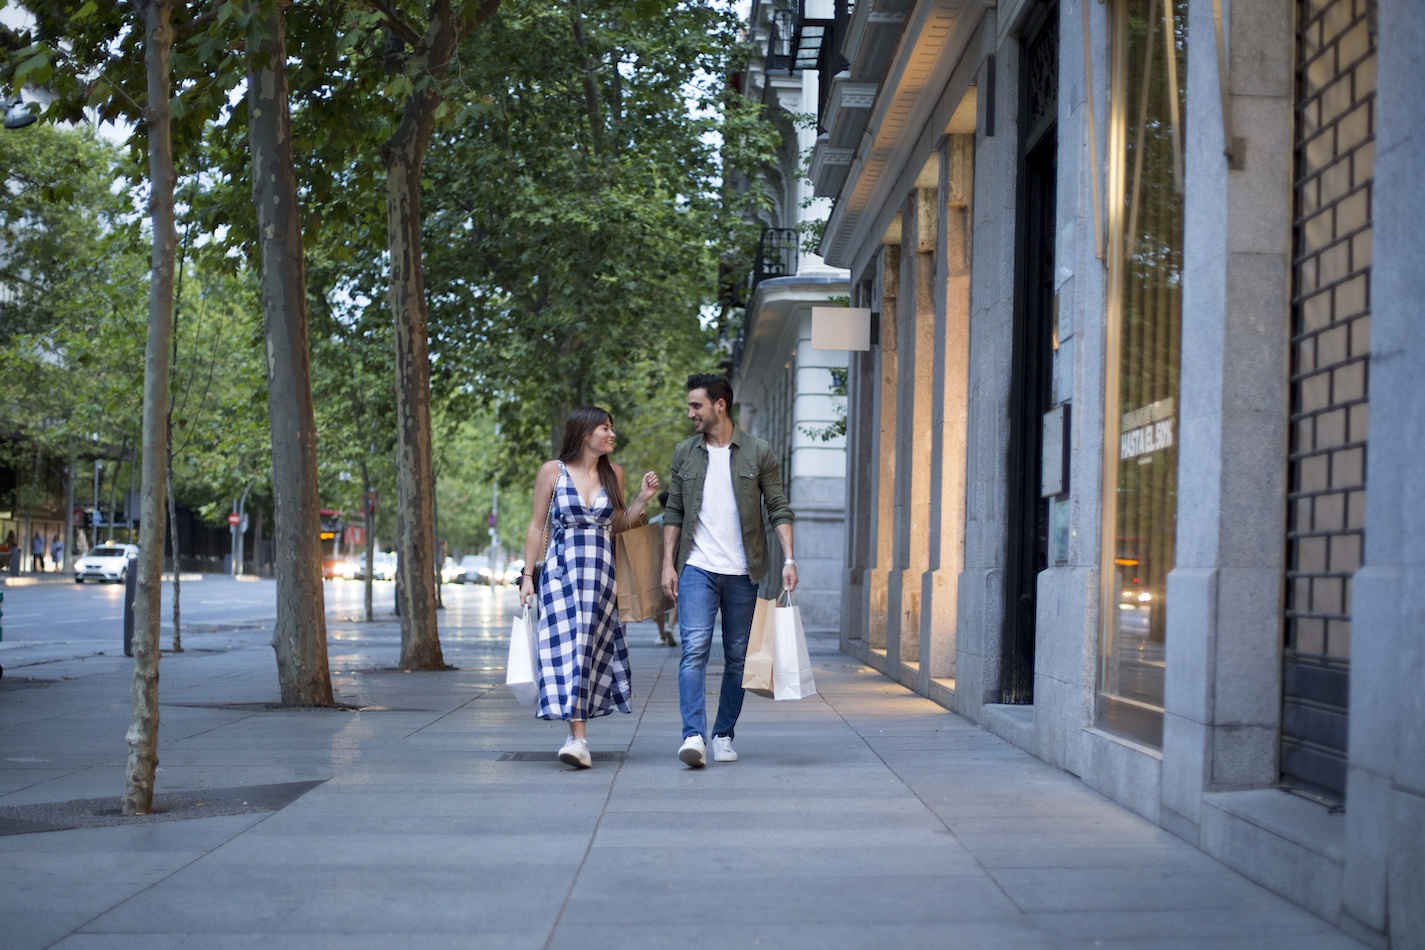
<point x="788" y="561"/>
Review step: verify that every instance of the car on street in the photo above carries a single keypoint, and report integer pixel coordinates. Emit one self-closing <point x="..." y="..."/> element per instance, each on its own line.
<point x="475" y="569"/>
<point x="513" y="571"/>
<point x="105" y="562"/>
<point x="340" y="567"/>
<point x="383" y="566"/>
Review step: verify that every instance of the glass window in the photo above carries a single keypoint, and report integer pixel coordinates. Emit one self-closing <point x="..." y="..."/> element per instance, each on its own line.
<point x="1147" y="105"/>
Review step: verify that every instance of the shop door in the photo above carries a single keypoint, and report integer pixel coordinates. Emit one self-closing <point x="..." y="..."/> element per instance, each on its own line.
<point x="1330" y="349"/>
<point x="1032" y="382"/>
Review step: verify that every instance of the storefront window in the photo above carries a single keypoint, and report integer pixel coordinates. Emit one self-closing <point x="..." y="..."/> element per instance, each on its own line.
<point x="1144" y="345"/>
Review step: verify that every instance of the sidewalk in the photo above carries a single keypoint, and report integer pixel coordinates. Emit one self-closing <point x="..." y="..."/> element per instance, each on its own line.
<point x="437" y="816"/>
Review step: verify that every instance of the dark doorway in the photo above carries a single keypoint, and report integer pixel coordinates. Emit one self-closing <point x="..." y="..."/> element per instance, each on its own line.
<point x="1032" y="379"/>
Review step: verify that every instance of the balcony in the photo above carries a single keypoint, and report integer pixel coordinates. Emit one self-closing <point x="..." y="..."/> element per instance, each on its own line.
<point x="776" y="254"/>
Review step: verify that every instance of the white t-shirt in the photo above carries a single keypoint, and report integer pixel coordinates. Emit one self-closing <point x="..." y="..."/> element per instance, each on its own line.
<point x="717" y="539"/>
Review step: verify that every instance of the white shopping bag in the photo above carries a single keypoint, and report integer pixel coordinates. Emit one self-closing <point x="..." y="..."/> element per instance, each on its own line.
<point x="791" y="664"/>
<point x="522" y="668"/>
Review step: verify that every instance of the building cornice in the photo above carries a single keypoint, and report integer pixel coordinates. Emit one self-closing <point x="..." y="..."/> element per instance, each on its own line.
<point x="931" y="47"/>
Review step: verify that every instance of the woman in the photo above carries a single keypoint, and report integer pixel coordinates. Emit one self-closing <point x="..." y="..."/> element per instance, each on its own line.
<point x="579" y="501"/>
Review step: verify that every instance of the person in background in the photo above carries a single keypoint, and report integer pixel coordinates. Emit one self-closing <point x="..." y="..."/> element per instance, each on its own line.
<point x="12" y="545"/>
<point x="713" y="548"/>
<point x="56" y="552"/>
<point x="668" y="611"/>
<point x="583" y="658"/>
<point x="37" y="551"/>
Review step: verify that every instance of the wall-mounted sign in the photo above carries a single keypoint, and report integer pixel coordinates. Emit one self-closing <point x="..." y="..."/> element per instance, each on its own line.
<point x="841" y="328"/>
<point x="1054" y="460"/>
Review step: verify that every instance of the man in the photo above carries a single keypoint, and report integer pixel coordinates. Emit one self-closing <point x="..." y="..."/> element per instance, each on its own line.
<point x="37" y="552"/>
<point x="722" y="478"/>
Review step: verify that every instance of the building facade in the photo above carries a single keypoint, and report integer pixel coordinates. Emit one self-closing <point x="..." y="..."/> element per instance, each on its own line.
<point x="786" y="390"/>
<point x="1128" y="457"/>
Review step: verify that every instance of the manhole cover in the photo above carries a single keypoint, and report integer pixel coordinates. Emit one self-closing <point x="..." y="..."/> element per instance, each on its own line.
<point x="599" y="756"/>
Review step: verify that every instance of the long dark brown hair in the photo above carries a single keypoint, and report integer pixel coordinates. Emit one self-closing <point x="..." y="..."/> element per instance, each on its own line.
<point x="582" y="421"/>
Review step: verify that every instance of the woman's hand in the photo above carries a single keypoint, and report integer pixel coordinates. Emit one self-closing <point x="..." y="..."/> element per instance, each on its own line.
<point x="526" y="590"/>
<point x="649" y="487"/>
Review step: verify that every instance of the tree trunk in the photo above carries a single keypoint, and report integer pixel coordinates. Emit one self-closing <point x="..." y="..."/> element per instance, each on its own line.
<point x="368" y="507"/>
<point x="404" y="154"/>
<point x="27" y="542"/>
<point x="299" y="637"/>
<point x="142" y="737"/>
<point x="257" y="541"/>
<point x="114" y="491"/>
<point x="439" y="545"/>
<point x="68" y="564"/>
<point x="173" y="540"/>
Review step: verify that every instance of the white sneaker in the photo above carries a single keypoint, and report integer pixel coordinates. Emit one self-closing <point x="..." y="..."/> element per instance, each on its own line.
<point x="693" y="753"/>
<point x="723" y="750"/>
<point x="575" y="752"/>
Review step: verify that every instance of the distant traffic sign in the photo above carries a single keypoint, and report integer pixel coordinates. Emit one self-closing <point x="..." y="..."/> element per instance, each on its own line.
<point x="234" y="519"/>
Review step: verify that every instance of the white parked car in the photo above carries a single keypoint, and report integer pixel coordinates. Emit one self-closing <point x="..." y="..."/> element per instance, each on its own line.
<point x="475" y="569"/>
<point x="105" y="562"/>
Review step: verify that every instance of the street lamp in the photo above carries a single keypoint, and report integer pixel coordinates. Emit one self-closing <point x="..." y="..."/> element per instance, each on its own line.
<point x="17" y="116"/>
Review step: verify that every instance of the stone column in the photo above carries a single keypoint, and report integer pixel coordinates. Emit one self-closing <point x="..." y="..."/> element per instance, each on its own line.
<point x="948" y="410"/>
<point x="1385" y="786"/>
<point x="1222" y="696"/>
<point x="860" y="461"/>
<point x="884" y="291"/>
<point x="915" y="319"/>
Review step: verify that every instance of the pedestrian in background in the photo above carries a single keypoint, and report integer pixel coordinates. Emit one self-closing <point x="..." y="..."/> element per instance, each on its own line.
<point x="12" y="545"/>
<point x="713" y="547"/>
<point x="56" y="552"/>
<point x="579" y="502"/>
<point x="667" y="610"/>
<point x="37" y="551"/>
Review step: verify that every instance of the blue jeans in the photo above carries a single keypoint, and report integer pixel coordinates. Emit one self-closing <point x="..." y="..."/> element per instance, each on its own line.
<point x="700" y="595"/>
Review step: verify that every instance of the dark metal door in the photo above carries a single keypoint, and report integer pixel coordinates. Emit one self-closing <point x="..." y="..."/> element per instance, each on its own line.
<point x="1032" y="381"/>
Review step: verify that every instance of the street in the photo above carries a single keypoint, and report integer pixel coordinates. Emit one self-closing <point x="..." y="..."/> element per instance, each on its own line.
<point x="56" y="619"/>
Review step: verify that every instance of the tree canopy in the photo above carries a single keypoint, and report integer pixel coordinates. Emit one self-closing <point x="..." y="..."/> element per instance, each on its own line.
<point x="575" y="213"/>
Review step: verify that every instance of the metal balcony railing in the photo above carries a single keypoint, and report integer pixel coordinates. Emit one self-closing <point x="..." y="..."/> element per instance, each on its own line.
<point x="776" y="254"/>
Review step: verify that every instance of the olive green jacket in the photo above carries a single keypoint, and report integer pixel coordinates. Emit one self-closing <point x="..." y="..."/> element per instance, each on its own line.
<point x="757" y="481"/>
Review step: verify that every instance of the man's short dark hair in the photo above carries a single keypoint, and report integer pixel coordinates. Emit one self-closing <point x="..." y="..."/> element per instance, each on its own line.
<point x="717" y="387"/>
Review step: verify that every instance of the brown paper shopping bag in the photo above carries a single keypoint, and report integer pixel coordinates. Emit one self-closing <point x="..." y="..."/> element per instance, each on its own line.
<point x="638" y="567"/>
<point x="757" y="673"/>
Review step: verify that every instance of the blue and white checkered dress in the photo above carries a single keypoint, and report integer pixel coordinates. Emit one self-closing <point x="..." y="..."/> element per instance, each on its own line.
<point x="583" y="658"/>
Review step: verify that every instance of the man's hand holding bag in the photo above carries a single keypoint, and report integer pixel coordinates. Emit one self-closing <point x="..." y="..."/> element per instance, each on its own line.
<point x="778" y="663"/>
<point x="791" y="662"/>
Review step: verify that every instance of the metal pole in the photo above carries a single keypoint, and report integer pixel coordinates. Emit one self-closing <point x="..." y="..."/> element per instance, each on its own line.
<point x="131" y="586"/>
<point x="69" y="473"/>
<point x="232" y="540"/>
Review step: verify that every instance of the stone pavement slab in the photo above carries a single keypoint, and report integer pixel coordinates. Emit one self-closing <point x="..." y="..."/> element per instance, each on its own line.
<point x="863" y="817"/>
